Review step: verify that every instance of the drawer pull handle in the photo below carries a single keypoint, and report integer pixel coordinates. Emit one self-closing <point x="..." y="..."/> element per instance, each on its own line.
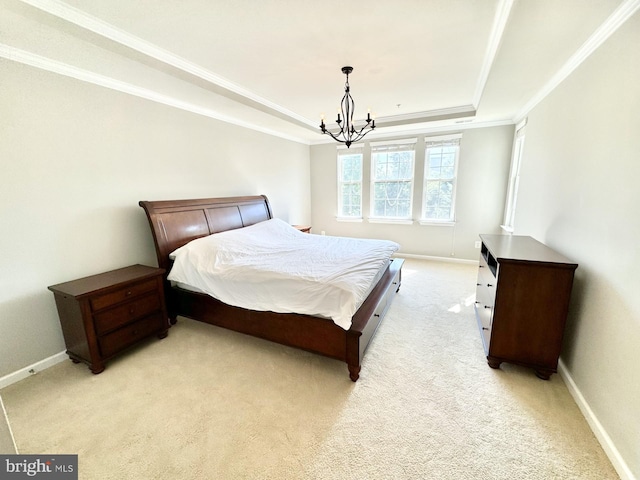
<point x="129" y="292"/>
<point x="481" y="266"/>
<point x="489" y="285"/>
<point x="135" y="333"/>
<point x="485" y="328"/>
<point x="487" y="306"/>
<point x="376" y="314"/>
<point x="478" y="284"/>
<point x="132" y="311"/>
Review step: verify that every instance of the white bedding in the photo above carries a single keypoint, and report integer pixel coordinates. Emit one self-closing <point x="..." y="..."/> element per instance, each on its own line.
<point x="271" y="266"/>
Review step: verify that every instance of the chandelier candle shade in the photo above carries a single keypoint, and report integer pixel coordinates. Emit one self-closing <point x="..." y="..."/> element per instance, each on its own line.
<point x="348" y="133"/>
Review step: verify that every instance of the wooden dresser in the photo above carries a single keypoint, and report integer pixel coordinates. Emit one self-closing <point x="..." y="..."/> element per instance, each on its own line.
<point x="522" y="300"/>
<point x="103" y="314"/>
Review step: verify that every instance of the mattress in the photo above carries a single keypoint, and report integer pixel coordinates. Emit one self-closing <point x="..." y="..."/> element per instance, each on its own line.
<point x="271" y="266"/>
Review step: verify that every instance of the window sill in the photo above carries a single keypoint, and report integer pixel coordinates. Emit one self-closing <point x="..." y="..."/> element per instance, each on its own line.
<point x="434" y="223"/>
<point x="396" y="221"/>
<point x="349" y="219"/>
<point x="507" y="228"/>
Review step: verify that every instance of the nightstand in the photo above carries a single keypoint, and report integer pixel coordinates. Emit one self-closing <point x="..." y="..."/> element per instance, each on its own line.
<point x="303" y="228"/>
<point x="104" y="314"/>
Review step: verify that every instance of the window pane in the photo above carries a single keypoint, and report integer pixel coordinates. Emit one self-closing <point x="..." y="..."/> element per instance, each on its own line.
<point x="392" y="181"/>
<point x="434" y="172"/>
<point x="435" y="158"/>
<point x="447" y="172"/>
<point x="439" y="182"/>
<point x="350" y="185"/>
<point x="448" y="159"/>
<point x="380" y="171"/>
<point x="392" y="165"/>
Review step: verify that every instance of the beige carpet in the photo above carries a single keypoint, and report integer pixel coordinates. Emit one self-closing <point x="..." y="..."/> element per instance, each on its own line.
<point x="206" y="403"/>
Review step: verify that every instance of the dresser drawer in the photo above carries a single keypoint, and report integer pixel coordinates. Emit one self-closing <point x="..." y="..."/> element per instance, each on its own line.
<point x="113" y="342"/>
<point x="114" y="297"/>
<point x="125" y="313"/>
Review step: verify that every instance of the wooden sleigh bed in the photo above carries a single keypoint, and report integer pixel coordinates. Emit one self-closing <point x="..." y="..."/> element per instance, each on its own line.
<point x="176" y="222"/>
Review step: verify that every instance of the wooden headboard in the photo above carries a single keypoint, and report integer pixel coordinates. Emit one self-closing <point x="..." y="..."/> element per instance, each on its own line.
<point x="177" y="222"/>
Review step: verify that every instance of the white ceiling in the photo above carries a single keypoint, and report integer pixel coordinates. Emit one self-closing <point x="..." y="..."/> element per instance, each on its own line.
<point x="275" y="64"/>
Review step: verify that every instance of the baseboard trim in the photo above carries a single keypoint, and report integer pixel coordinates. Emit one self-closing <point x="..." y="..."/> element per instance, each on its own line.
<point x="601" y="434"/>
<point x="437" y="259"/>
<point x="32" y="369"/>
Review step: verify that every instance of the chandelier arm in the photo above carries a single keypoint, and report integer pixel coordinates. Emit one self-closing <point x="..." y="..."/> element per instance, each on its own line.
<point x="334" y="137"/>
<point x="361" y="135"/>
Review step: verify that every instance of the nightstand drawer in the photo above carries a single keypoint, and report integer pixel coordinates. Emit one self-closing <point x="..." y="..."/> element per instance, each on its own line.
<point x="120" y="339"/>
<point x="115" y="317"/>
<point x="112" y="298"/>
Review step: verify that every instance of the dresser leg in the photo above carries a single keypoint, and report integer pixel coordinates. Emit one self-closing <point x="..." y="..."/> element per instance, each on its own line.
<point x="493" y="363"/>
<point x="543" y="374"/>
<point x="96" y="369"/>
<point x="354" y="372"/>
<point x="162" y="335"/>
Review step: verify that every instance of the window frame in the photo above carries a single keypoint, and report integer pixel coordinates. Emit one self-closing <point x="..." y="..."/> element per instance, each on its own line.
<point x="514" y="177"/>
<point x="409" y="145"/>
<point x="455" y="139"/>
<point x="344" y="152"/>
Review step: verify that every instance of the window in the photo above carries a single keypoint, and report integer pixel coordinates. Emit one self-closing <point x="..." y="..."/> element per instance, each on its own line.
<point x="514" y="177"/>
<point x="440" y="170"/>
<point x="392" y="179"/>
<point x="350" y="183"/>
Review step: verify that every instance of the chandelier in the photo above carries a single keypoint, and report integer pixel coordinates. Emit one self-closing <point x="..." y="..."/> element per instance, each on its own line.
<point x="348" y="133"/>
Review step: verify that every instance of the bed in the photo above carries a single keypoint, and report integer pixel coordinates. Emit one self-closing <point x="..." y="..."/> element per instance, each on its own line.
<point x="175" y="223"/>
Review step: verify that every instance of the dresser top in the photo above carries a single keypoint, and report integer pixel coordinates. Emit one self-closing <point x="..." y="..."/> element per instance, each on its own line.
<point x="522" y="248"/>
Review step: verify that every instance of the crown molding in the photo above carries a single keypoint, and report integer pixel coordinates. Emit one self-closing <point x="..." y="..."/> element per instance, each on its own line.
<point x="497" y="31"/>
<point x="43" y="63"/>
<point x="424" y="130"/>
<point x="610" y="25"/>
<point x="463" y="111"/>
<point x="106" y="30"/>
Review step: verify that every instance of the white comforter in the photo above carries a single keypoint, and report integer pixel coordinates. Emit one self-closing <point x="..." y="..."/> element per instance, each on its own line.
<point x="271" y="266"/>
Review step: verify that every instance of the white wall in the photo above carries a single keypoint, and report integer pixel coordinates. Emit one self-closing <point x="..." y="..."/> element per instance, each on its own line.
<point x="579" y="194"/>
<point x="76" y="159"/>
<point x="482" y="178"/>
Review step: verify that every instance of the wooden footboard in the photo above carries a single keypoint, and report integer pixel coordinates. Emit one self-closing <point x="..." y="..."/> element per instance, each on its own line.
<point x="369" y="316"/>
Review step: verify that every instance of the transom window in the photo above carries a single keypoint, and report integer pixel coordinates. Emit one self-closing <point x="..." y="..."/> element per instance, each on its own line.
<point x="440" y="170"/>
<point x="392" y="166"/>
